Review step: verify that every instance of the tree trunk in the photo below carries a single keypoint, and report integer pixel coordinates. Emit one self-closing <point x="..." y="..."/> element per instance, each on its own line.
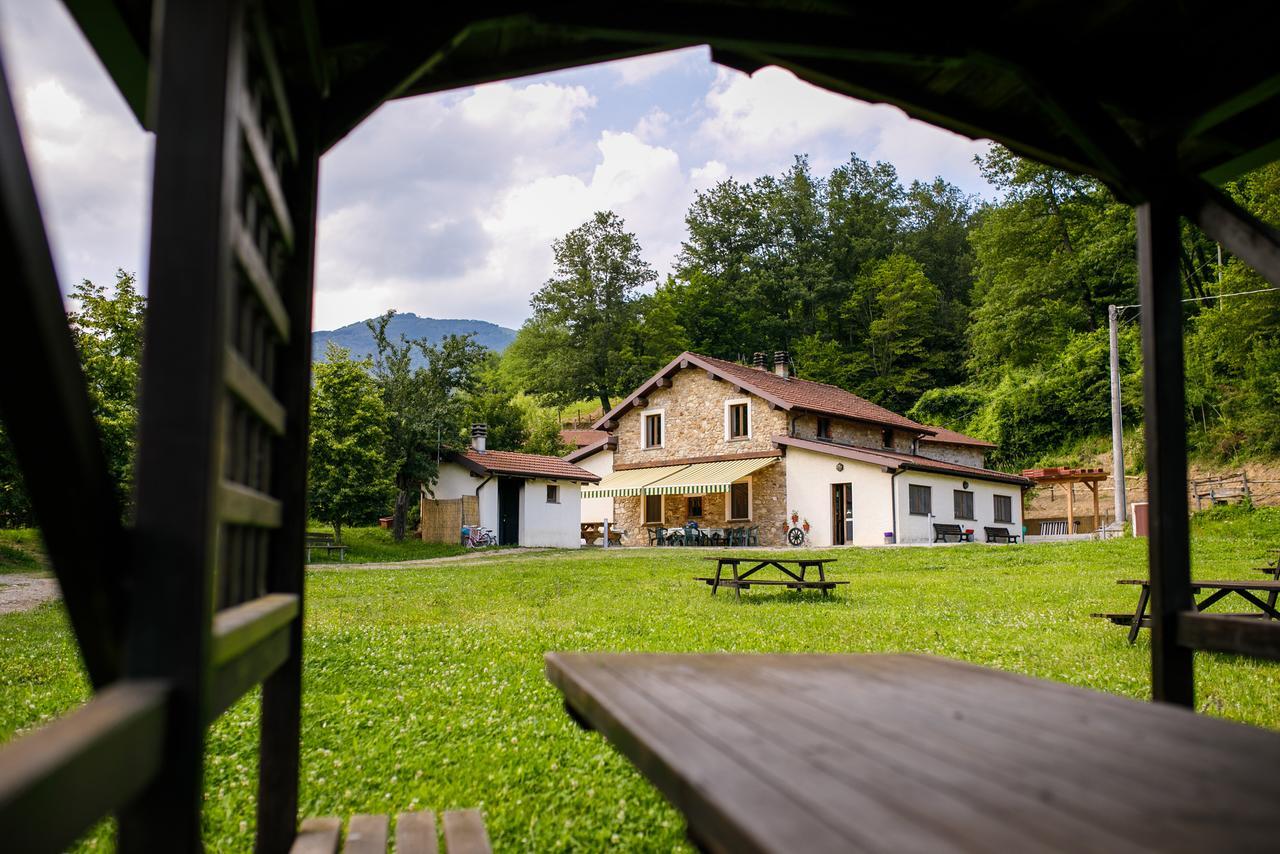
<point x="401" y="512"/>
<point x="604" y="402"/>
<point x="337" y="533"/>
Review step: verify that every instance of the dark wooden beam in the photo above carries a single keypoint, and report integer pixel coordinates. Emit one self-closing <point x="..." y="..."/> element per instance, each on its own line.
<point x="1224" y="633"/>
<point x="1168" y="546"/>
<point x="1241" y="233"/>
<point x="119" y="49"/>
<point x="180" y="449"/>
<point x="281" y="731"/>
<point x="49" y="420"/>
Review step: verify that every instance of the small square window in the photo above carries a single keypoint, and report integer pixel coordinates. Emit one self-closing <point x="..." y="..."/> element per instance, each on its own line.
<point x="653" y="430"/>
<point x="695" y="507"/>
<point x="824" y="428"/>
<point x="739" y="421"/>
<point x="553" y="493"/>
<point x="921" y="500"/>
<point x="964" y="504"/>
<point x="1004" y="509"/>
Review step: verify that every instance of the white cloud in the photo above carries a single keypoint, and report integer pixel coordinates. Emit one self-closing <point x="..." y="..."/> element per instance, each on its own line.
<point x="641" y="69"/>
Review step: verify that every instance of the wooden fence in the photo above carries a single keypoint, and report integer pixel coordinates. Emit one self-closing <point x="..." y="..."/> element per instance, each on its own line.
<point x="443" y="518"/>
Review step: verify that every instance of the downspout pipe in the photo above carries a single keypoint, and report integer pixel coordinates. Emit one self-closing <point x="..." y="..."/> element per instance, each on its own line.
<point x="893" y="498"/>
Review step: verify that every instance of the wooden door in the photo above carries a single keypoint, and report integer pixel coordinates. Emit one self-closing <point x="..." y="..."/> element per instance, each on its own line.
<point x="509" y="511"/>
<point x="841" y="513"/>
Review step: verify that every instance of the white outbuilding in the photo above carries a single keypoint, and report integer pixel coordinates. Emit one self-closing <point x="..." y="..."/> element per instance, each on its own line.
<point x="526" y="499"/>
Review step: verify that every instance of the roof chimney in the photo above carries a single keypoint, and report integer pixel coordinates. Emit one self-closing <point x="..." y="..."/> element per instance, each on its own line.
<point x="758" y="360"/>
<point x="478" y="432"/>
<point x="781" y="364"/>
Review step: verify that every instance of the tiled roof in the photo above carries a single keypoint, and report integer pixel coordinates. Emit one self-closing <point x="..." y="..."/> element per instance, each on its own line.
<point x="895" y="460"/>
<point x="522" y="465"/>
<point x="787" y="392"/>
<point x="582" y="438"/>
<point x="951" y="437"/>
<point x="608" y="441"/>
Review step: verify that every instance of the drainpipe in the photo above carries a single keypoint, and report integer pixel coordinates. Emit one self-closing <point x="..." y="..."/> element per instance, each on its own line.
<point x="893" y="498"/>
<point x="478" y="488"/>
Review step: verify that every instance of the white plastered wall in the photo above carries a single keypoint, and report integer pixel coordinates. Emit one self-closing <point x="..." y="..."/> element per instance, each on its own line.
<point x="810" y="476"/>
<point x="918" y="529"/>
<point x="546" y="524"/>
<point x="597" y="509"/>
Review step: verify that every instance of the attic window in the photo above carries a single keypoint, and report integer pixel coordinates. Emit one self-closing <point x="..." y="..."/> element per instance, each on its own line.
<point x="651" y="429"/>
<point x="888" y="439"/>
<point x="824" y="428"/>
<point x="737" y="419"/>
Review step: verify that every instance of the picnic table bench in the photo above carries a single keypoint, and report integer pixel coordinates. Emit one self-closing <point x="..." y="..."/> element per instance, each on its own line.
<point x="917" y="753"/>
<point x="592" y="531"/>
<point x="743" y="580"/>
<point x="464" y="833"/>
<point x="942" y="531"/>
<point x="1139" y="619"/>
<point x="326" y="542"/>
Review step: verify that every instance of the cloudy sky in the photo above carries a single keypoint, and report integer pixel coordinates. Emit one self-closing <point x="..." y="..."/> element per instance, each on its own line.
<point x="446" y="205"/>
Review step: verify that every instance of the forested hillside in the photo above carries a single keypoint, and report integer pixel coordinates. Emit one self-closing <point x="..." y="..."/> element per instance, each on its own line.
<point x="987" y="317"/>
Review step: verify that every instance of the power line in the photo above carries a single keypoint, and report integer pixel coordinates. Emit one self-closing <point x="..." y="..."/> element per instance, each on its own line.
<point x="1218" y="296"/>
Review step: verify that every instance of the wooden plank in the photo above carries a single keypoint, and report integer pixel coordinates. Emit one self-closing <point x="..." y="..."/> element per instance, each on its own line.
<point x="238" y="628"/>
<point x="240" y="505"/>
<point x="1230" y="633"/>
<point x="275" y="79"/>
<point x="366" y="834"/>
<point x="260" y="155"/>
<point x="1168" y="545"/>
<point x="49" y="420"/>
<point x="317" y="836"/>
<point x="282" y="692"/>
<point x="464" y="833"/>
<point x="197" y="53"/>
<point x="1241" y="233"/>
<point x="416" y="833"/>
<point x="57" y="781"/>
<point x="244" y="383"/>
<point x="233" y="678"/>
<point x="1067" y="767"/>
<point x="259" y="277"/>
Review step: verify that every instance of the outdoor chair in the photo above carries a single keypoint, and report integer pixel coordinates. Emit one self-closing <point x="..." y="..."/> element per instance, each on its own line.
<point x="752" y="536"/>
<point x="658" y="536"/>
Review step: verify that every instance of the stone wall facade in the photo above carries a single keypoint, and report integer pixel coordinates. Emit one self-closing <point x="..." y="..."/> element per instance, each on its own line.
<point x="860" y="435"/>
<point x="693" y="408"/>
<point x="965" y="455"/>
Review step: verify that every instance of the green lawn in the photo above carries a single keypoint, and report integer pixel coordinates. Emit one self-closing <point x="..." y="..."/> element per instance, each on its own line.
<point x="21" y="551"/>
<point x="375" y="545"/>
<point x="424" y="687"/>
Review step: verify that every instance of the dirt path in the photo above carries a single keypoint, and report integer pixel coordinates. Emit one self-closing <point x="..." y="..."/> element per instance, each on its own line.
<point x="473" y="557"/>
<point x="24" y="592"/>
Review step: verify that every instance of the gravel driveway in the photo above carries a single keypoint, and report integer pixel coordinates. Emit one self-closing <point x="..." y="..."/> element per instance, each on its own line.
<point x="24" y="592"/>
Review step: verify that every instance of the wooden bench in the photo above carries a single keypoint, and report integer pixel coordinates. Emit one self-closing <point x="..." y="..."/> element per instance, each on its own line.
<point x="464" y="833"/>
<point x="326" y="542"/>
<point x="942" y="532"/>
<point x="997" y="534"/>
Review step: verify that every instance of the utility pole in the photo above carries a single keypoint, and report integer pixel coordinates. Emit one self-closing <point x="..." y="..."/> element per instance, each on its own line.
<point x="1117" y="424"/>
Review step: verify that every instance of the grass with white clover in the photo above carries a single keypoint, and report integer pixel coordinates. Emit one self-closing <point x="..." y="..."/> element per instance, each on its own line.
<point x="424" y="687"/>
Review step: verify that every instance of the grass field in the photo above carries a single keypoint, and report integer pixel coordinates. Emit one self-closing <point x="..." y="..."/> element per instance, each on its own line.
<point x="375" y="545"/>
<point x="21" y="551"/>
<point x="424" y="687"/>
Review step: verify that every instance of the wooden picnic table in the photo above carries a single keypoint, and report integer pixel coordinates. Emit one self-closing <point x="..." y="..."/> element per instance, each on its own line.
<point x="826" y="753"/>
<point x="1220" y="590"/>
<point x="794" y="581"/>
<point x="592" y="531"/>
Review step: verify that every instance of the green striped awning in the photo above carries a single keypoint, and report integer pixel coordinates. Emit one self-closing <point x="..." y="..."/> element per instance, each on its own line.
<point x="701" y="478"/>
<point x="694" y="479"/>
<point x="629" y="482"/>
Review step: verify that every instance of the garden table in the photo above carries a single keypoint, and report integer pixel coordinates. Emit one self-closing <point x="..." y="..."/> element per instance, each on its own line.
<point x="794" y="581"/>
<point x="826" y="753"/>
<point x="1221" y="589"/>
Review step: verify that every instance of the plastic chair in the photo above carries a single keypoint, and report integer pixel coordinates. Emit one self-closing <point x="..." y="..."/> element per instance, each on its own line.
<point x="753" y="536"/>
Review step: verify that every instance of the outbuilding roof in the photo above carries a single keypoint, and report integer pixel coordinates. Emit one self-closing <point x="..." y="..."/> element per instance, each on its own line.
<point x="944" y="436"/>
<point x="514" y="464"/>
<point x="582" y="438"/>
<point x="789" y="393"/>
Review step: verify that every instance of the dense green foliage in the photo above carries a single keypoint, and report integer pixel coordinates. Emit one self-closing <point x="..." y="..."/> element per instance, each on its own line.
<point x="106" y="326"/>
<point x="424" y="687"/>
<point x="348" y="480"/>
<point x="424" y="405"/>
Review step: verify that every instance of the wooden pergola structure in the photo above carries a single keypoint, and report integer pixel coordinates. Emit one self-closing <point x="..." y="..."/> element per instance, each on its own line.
<point x="1068" y="478"/>
<point x="201" y="597"/>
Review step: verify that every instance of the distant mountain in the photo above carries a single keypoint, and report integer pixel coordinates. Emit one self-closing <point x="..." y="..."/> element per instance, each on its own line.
<point x="357" y="338"/>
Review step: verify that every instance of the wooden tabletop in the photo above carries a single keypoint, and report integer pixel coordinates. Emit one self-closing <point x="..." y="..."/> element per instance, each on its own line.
<point x="1228" y="584"/>
<point x="822" y="753"/>
<point x="762" y="559"/>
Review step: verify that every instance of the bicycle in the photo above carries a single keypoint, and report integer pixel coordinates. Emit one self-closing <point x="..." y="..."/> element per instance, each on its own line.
<point x="477" y="536"/>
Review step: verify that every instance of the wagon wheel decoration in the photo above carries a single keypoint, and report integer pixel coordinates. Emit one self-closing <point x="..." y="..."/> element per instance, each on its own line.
<point x="795" y="536"/>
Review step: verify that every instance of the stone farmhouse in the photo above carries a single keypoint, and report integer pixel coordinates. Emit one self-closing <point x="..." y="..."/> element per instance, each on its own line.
<point x="731" y="445"/>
